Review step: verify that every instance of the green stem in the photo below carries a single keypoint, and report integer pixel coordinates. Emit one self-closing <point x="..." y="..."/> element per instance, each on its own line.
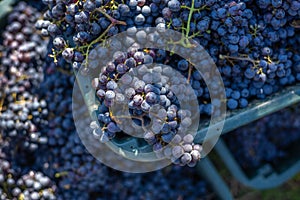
<point x="184" y="41"/>
<point x="189" y="74"/>
<point x="98" y="39"/>
<point x="238" y="58"/>
<point x="61" y="174"/>
<point x="190" y="18"/>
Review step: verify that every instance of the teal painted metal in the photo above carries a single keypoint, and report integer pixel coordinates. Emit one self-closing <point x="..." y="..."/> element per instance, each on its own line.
<point x="5" y="8"/>
<point x="208" y="171"/>
<point x="266" y="176"/>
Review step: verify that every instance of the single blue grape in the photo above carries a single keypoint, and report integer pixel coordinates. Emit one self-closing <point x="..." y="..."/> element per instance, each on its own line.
<point x="109" y="95"/>
<point x="151" y="97"/>
<point x="232" y="104"/>
<point x="174" y="5"/>
<point x="243" y="103"/>
<point x="183" y="65"/>
<point x="138" y="99"/>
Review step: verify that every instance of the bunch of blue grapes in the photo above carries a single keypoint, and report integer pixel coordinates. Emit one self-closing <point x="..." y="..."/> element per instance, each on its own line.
<point x="23" y="114"/>
<point x="254" y="48"/>
<point x="266" y="140"/>
<point x="77" y="26"/>
<point x="256" y="58"/>
<point x="64" y="159"/>
<point x="254" y="45"/>
<point x="151" y="104"/>
<point x="16" y="185"/>
<point x="232" y="33"/>
<point x="24" y="50"/>
<point x="7" y="176"/>
<point x="34" y="185"/>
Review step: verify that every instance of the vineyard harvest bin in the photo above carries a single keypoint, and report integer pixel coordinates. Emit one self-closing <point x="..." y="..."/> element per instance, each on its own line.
<point x="205" y="168"/>
<point x="267" y="176"/>
<point x="235" y="119"/>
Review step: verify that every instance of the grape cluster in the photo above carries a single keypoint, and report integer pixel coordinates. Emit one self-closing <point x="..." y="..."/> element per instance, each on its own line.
<point x="65" y="159"/>
<point x="77" y="27"/>
<point x="23" y="118"/>
<point x="22" y="112"/>
<point x="24" y="50"/>
<point x="37" y="186"/>
<point x="31" y="185"/>
<point x="151" y="94"/>
<point x="266" y="140"/>
<point x="6" y="178"/>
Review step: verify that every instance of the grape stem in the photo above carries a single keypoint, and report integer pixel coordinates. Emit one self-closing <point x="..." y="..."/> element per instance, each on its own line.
<point x="184" y="41"/>
<point x="20" y="102"/>
<point x="66" y="72"/>
<point x="2" y="102"/>
<point x="254" y="29"/>
<point x="255" y="63"/>
<point x="115" y="118"/>
<point x="5" y="189"/>
<point x="189" y="74"/>
<point x="22" y="77"/>
<point x="111" y="4"/>
<point x="295" y="24"/>
<point x="98" y="39"/>
<point x="247" y="58"/>
<point x="55" y="54"/>
<point x="61" y="174"/>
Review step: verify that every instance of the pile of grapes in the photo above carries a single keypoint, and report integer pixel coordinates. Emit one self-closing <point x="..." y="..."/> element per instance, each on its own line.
<point x="41" y="154"/>
<point x="253" y="44"/>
